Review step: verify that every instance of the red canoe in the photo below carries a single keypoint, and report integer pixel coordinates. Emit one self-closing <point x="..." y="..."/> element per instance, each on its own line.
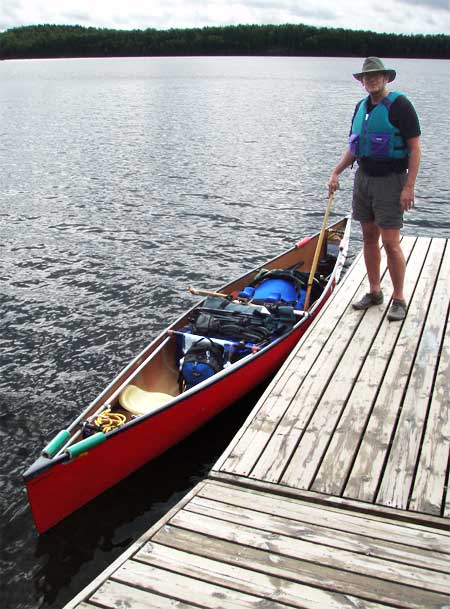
<point x="251" y="325"/>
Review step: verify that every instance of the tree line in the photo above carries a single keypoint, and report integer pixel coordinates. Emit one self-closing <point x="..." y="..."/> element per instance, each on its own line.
<point x="47" y="41"/>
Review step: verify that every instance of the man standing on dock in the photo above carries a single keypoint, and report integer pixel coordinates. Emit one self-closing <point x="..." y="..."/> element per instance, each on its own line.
<point x="385" y="142"/>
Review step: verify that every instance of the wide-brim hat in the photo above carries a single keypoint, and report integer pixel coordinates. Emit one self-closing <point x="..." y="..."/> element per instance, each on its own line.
<point x="374" y="64"/>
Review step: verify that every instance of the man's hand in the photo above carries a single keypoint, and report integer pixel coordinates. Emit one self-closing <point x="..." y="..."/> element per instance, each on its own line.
<point x="407" y="197"/>
<point x="333" y="184"/>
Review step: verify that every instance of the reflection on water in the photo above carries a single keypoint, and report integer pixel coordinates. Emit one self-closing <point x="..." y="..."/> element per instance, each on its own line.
<point x="123" y="182"/>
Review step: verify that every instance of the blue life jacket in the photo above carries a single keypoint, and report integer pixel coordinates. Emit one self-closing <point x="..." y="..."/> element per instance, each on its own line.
<point x="373" y="135"/>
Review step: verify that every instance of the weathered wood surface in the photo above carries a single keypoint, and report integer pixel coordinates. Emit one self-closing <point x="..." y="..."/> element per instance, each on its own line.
<point x="335" y="468"/>
<point x="231" y="548"/>
<point x="400" y="468"/>
<point x="334" y="492"/>
<point x="430" y="479"/>
<point x="360" y="410"/>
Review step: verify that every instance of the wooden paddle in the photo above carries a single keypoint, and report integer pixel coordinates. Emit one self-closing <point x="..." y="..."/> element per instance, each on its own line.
<point x="317" y="253"/>
<point x="197" y="292"/>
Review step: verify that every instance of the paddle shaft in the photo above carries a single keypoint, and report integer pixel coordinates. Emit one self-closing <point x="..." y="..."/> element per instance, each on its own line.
<point x="206" y="293"/>
<point x="317" y="253"/>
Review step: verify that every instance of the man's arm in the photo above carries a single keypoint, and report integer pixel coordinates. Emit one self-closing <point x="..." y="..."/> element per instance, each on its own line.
<point x="407" y="196"/>
<point x="347" y="159"/>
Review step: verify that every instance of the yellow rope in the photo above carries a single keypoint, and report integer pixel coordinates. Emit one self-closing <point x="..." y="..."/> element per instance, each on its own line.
<point x="107" y="420"/>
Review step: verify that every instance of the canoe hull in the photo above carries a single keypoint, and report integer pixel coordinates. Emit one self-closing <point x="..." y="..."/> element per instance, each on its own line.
<point x="91" y="473"/>
<point x="60" y="485"/>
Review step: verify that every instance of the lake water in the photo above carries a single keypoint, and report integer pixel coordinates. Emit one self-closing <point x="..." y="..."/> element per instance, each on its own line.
<point x="124" y="181"/>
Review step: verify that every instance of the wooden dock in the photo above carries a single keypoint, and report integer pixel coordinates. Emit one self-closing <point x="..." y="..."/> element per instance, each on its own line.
<point x="334" y="492"/>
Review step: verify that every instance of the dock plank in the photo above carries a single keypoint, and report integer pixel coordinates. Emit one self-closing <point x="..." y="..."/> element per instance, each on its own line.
<point x="307" y="573"/>
<point x="300" y="549"/>
<point x="114" y="594"/>
<point x="347" y="436"/>
<point x="181" y="587"/>
<point x="402" y="460"/>
<point x="431" y="474"/>
<point x="249" y="580"/>
<point x="356" y="335"/>
<point x="337" y="518"/>
<point x="367" y="470"/>
<point x="320" y="535"/>
<point x="309" y="452"/>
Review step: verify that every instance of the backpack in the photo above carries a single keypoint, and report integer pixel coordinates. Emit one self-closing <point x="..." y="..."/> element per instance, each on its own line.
<point x="240" y="322"/>
<point x="202" y="360"/>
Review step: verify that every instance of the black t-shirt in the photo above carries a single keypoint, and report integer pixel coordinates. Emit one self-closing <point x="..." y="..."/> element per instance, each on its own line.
<point x="404" y="117"/>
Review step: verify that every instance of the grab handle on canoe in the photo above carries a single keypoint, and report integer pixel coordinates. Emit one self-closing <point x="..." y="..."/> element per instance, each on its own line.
<point x="56" y="444"/>
<point x="85" y="445"/>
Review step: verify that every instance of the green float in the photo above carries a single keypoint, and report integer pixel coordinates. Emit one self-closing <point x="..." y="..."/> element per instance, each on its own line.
<point x="56" y="444"/>
<point x="85" y="445"/>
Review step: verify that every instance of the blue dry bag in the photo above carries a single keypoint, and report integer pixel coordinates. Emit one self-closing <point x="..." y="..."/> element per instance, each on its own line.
<point x="276" y="290"/>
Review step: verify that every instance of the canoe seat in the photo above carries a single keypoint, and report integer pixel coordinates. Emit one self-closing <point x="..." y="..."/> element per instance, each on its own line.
<point x="139" y="402"/>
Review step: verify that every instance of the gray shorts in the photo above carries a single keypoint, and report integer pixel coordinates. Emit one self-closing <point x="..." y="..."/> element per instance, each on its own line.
<point x="377" y="199"/>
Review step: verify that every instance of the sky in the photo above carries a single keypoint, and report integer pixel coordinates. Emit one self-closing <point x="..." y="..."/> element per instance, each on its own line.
<point x="392" y="16"/>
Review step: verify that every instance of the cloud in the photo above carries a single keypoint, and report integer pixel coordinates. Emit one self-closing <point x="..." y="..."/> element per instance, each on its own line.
<point x="305" y="9"/>
<point x="438" y="4"/>
<point x="400" y="16"/>
<point x="11" y="9"/>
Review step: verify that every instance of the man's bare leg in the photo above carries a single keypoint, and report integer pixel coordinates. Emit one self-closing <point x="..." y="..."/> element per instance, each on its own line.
<point x="372" y="255"/>
<point x="395" y="260"/>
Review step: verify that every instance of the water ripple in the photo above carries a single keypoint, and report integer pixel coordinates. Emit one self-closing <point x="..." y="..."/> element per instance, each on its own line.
<point x="123" y="182"/>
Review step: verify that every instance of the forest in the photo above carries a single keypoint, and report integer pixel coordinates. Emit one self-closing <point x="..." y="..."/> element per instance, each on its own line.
<point x="52" y="41"/>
